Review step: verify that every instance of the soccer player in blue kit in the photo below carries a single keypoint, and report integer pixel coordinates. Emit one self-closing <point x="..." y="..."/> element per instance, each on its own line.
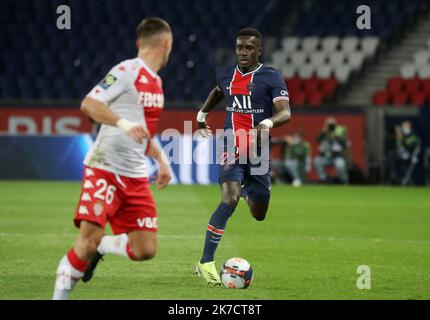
<point x="256" y="100"/>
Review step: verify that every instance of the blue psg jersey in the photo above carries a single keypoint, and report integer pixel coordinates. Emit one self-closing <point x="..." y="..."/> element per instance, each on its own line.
<point x="250" y="96"/>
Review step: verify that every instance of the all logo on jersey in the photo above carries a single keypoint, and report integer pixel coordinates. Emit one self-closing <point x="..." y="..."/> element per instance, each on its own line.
<point x="244" y="103"/>
<point x="108" y="81"/>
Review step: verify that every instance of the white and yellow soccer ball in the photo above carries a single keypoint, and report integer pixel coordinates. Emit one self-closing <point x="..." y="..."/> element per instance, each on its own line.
<point x="236" y="273"/>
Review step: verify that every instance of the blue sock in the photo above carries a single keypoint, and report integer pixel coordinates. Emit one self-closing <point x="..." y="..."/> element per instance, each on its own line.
<point x="215" y="230"/>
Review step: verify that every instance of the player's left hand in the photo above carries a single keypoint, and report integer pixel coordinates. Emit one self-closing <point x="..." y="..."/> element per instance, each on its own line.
<point x="204" y="129"/>
<point x="164" y="176"/>
<point x="260" y="128"/>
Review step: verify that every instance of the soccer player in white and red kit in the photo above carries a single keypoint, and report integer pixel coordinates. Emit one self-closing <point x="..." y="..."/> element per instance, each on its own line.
<point x="115" y="186"/>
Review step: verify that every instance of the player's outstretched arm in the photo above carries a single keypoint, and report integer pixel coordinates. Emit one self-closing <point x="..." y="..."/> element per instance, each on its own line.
<point x="99" y="112"/>
<point x="164" y="172"/>
<point x="214" y="97"/>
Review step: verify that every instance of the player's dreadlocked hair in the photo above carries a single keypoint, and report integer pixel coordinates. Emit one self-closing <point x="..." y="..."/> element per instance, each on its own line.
<point x="250" y="32"/>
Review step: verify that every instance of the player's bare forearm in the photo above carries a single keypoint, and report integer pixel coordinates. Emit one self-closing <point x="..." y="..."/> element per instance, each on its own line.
<point x="282" y="115"/>
<point x="214" y="97"/>
<point x="99" y="112"/>
<point x="164" y="172"/>
<point x="156" y="153"/>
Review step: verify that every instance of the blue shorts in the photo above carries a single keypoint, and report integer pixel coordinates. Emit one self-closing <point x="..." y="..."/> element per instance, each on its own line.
<point x="257" y="186"/>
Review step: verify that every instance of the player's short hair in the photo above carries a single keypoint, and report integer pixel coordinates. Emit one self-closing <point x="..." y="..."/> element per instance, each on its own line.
<point x="250" y="32"/>
<point x="150" y="27"/>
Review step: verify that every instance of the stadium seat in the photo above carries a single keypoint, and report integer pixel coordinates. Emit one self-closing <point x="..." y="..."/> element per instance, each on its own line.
<point x="294" y="84"/>
<point x="311" y="84"/>
<point x="412" y="85"/>
<point x="422" y="57"/>
<point x="315" y="98"/>
<point x="317" y="58"/>
<point x="355" y="60"/>
<point x="349" y="44"/>
<point x="279" y="58"/>
<point x="424" y="72"/>
<point x="309" y="44"/>
<point x="381" y="98"/>
<point x="298" y="98"/>
<point x="395" y="84"/>
<point x="425" y="86"/>
<point x="290" y="44"/>
<point x="298" y="58"/>
<point x="305" y="71"/>
<point x="369" y="46"/>
<point x="328" y="86"/>
<point x="408" y="71"/>
<point x="399" y="98"/>
<point x="330" y="44"/>
<point x="288" y="71"/>
<point x="342" y="73"/>
<point x="337" y="58"/>
<point x="418" y="98"/>
<point x="324" y="71"/>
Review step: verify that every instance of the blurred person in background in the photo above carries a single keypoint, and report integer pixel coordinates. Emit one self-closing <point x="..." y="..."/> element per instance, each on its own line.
<point x="333" y="148"/>
<point x="298" y="158"/>
<point x="295" y="163"/>
<point x="403" y="158"/>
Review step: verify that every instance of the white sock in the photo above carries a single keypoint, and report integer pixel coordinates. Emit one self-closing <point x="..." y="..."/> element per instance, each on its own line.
<point x="114" y="245"/>
<point x="67" y="278"/>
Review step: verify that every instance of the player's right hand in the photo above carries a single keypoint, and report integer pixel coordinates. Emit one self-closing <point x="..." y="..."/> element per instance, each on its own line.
<point x="204" y="129"/>
<point x="138" y="133"/>
<point x="164" y="175"/>
<point x="133" y="129"/>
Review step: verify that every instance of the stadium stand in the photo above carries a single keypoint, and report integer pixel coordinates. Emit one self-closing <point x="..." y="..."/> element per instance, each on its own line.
<point x="412" y="86"/>
<point x="320" y="55"/>
<point x="47" y="63"/>
<point x="326" y="47"/>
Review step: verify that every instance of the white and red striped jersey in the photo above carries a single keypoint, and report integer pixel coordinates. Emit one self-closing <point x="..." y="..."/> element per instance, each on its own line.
<point x="133" y="92"/>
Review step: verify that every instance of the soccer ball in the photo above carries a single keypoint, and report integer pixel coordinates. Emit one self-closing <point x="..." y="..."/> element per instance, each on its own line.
<point x="236" y="273"/>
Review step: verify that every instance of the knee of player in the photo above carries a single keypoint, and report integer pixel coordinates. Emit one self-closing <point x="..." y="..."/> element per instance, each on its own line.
<point x="232" y="200"/>
<point x="145" y="254"/>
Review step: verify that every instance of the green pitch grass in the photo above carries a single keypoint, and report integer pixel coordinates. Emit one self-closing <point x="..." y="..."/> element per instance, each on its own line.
<point x="309" y="247"/>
